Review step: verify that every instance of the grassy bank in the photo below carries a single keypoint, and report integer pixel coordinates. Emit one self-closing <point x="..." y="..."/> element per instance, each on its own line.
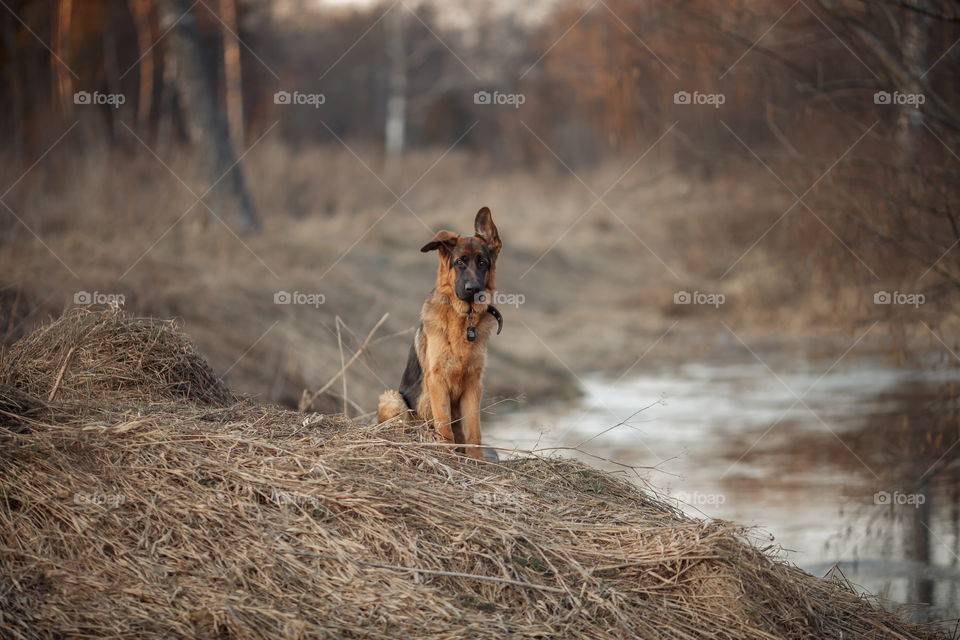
<point x="142" y="498"/>
<point x="588" y="288"/>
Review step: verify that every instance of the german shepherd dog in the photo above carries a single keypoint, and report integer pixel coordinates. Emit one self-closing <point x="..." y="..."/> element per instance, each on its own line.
<point x="442" y="382"/>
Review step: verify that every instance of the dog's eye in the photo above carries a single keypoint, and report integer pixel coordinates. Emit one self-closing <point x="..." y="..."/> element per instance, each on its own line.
<point x="461" y="262"/>
<point x="481" y="262"/>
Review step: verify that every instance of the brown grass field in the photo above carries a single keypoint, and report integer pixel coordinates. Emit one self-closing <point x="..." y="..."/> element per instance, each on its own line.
<point x="596" y="285"/>
<point x="141" y="499"/>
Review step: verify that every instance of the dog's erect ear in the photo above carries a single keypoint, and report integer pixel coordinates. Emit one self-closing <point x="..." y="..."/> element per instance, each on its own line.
<point x="487" y="231"/>
<point x="443" y="240"/>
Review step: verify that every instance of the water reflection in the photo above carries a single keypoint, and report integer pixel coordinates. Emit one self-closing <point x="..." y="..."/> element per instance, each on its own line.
<point x="914" y="532"/>
<point x="854" y="467"/>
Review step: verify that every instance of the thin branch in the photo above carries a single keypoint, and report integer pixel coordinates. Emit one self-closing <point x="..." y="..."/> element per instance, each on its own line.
<point x="952" y="18"/>
<point x="343" y="378"/>
<point x="63" y="368"/>
<point x="619" y="424"/>
<point x="306" y="401"/>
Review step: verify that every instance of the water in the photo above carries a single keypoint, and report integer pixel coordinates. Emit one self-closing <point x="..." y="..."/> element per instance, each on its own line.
<point x="802" y="451"/>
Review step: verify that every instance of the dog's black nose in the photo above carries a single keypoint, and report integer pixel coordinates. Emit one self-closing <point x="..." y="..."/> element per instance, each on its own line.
<point x="471" y="287"/>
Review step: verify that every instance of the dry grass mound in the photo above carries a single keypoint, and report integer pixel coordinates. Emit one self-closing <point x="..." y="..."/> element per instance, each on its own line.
<point x="177" y="517"/>
<point x="85" y="355"/>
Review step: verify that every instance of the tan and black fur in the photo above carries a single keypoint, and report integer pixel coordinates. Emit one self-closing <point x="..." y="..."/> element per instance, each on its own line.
<point x="442" y="382"/>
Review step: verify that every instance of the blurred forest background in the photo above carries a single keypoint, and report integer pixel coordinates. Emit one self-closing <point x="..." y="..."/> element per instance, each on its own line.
<point x="197" y="158"/>
<point x="673" y="182"/>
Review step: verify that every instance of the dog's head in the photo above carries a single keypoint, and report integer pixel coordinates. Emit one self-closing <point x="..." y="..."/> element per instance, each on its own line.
<point x="468" y="264"/>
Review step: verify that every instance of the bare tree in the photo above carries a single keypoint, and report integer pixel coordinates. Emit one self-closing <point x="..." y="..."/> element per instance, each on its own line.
<point x="233" y="88"/>
<point x="913" y="50"/>
<point x="142" y="21"/>
<point x="62" y="84"/>
<point x="206" y="125"/>
<point x="897" y="61"/>
<point x="396" y="121"/>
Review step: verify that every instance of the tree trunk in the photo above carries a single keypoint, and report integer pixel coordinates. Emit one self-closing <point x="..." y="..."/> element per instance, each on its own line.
<point x="233" y="88"/>
<point x="14" y="86"/>
<point x="206" y="125"/>
<point x="918" y="547"/>
<point x="396" y="121"/>
<point x="111" y="73"/>
<point x="140" y="10"/>
<point x="913" y="47"/>
<point x="62" y="85"/>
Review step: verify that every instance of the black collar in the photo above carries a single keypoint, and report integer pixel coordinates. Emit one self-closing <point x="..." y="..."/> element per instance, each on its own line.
<point x="472" y="330"/>
<point x="492" y="310"/>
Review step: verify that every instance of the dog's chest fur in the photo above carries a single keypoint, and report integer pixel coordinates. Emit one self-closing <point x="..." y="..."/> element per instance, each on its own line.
<point x="442" y="346"/>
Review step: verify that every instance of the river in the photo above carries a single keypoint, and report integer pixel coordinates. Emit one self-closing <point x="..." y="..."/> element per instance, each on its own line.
<point x="808" y="452"/>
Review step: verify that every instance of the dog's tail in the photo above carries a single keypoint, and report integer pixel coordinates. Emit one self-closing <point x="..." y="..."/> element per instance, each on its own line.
<point x="390" y="405"/>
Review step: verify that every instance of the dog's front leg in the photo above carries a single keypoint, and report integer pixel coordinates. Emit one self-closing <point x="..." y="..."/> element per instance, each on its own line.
<point x="470" y="417"/>
<point x="440" y="408"/>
